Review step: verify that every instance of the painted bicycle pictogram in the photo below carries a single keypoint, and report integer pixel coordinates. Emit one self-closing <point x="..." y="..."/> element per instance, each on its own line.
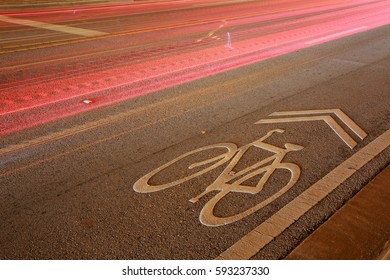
<point x="229" y="181"/>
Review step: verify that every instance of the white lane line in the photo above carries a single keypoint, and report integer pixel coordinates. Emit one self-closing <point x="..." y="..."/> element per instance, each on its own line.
<point x="335" y="35"/>
<point x="263" y="234"/>
<point x="54" y="27"/>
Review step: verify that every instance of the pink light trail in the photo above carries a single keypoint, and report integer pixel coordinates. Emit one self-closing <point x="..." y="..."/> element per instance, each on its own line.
<point x="59" y="98"/>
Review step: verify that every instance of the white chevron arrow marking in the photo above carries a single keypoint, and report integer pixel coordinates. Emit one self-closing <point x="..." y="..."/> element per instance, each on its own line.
<point x="326" y="118"/>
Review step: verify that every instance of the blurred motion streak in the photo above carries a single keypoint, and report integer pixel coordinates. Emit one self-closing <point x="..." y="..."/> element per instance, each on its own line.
<point x="47" y="75"/>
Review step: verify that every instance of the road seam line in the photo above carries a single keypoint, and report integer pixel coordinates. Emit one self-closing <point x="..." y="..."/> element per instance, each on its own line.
<point x="273" y="226"/>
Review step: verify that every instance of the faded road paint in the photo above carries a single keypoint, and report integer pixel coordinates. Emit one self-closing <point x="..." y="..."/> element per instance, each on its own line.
<point x="53" y="27"/>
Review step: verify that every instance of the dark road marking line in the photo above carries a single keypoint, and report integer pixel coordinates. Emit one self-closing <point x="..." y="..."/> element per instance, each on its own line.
<point x="263" y="234"/>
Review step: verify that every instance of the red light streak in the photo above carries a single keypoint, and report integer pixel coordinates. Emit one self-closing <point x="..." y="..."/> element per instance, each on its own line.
<point x="140" y="7"/>
<point x="56" y="99"/>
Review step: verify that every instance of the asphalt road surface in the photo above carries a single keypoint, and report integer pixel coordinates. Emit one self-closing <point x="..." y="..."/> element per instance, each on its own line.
<point x="187" y="129"/>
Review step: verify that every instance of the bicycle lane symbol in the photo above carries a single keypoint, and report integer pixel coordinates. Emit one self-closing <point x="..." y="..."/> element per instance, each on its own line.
<point x="233" y="182"/>
<point x="229" y="181"/>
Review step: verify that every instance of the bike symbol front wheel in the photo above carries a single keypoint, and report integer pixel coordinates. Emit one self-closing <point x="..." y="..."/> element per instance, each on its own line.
<point x="208" y="218"/>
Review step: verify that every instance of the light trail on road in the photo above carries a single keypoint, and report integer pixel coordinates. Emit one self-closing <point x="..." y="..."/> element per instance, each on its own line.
<point x="47" y="75"/>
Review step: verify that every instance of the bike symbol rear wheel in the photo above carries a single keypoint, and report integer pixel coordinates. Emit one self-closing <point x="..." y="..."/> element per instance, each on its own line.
<point x="143" y="185"/>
